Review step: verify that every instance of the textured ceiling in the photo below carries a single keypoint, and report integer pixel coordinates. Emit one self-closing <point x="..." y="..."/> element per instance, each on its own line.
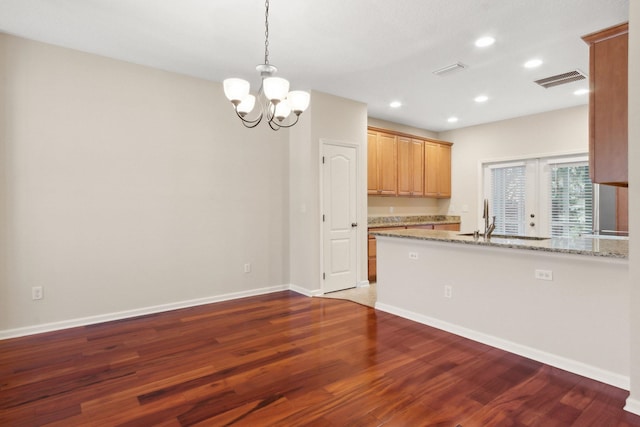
<point x="373" y="51"/>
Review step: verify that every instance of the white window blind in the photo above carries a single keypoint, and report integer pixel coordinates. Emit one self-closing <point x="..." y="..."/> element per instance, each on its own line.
<point x="571" y="199"/>
<point x="508" y="199"/>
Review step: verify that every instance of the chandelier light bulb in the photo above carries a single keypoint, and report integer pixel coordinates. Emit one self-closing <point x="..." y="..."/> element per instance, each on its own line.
<point x="299" y="101"/>
<point x="246" y="106"/>
<point x="275" y="88"/>
<point x="283" y="109"/>
<point x="235" y="89"/>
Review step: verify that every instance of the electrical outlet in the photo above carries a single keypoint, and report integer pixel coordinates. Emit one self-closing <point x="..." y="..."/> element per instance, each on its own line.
<point x="37" y="293"/>
<point x="247" y="268"/>
<point x="543" y="274"/>
<point x="448" y="291"/>
<point x="413" y="255"/>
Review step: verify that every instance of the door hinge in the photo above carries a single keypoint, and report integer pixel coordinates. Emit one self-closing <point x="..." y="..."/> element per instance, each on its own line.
<point x="323" y="160"/>
<point x="323" y="276"/>
<point x="322" y="217"/>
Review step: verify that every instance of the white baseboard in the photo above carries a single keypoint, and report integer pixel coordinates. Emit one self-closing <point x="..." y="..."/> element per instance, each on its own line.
<point x="90" y="320"/>
<point x="570" y="365"/>
<point x="633" y="406"/>
<point x="363" y="284"/>
<point x="305" y="291"/>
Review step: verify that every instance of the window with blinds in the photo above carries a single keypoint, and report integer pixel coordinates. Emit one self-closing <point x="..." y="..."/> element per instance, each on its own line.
<point x="508" y="199"/>
<point x="570" y="199"/>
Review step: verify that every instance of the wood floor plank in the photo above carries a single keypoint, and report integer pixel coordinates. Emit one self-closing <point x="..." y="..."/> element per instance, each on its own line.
<point x="283" y="359"/>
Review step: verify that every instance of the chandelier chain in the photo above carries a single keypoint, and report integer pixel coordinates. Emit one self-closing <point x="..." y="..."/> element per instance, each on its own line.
<point x="266" y="32"/>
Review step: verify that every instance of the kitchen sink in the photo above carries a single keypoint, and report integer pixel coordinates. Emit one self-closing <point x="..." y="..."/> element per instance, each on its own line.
<point x="507" y="236"/>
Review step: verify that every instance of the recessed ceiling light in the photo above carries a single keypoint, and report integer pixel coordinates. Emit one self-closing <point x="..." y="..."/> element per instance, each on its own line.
<point x="533" y="63"/>
<point x="395" y="104"/>
<point x="452" y="119"/>
<point x="581" y="92"/>
<point x="485" y="41"/>
<point x="481" y="98"/>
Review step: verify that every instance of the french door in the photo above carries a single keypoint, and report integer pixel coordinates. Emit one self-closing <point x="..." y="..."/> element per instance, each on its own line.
<point x="550" y="196"/>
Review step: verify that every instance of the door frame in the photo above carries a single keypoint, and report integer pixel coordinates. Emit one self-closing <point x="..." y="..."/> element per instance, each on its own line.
<point x="362" y="219"/>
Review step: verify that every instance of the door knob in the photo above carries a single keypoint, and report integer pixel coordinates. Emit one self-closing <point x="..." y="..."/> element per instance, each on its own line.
<point x="354" y="224"/>
<point x="532" y="215"/>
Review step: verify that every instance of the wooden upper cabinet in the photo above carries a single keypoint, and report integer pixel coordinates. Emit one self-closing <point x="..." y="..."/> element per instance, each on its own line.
<point x="381" y="163"/>
<point x="410" y="166"/>
<point x="431" y="169"/>
<point x="608" y="112"/>
<point x="372" y="162"/>
<point x="437" y="170"/>
<point x="417" y="167"/>
<point x="444" y="171"/>
<point x="387" y="164"/>
<point x="403" y="165"/>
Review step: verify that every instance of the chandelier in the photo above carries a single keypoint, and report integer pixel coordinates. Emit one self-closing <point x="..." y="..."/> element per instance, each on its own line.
<point x="274" y="99"/>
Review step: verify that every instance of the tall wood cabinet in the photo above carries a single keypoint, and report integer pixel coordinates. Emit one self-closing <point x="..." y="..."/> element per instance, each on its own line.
<point x="608" y="117"/>
<point x="406" y="165"/>
<point x="437" y="177"/>
<point x="410" y="166"/>
<point x="382" y="163"/>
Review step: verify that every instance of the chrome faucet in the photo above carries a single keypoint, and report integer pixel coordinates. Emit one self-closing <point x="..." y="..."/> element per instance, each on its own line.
<point x="488" y="228"/>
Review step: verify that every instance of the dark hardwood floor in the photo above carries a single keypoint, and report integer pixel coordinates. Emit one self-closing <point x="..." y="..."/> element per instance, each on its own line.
<point x="285" y="359"/>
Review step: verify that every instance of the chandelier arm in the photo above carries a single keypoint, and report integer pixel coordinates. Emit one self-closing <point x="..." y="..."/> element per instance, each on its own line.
<point x="249" y="123"/>
<point x="278" y="125"/>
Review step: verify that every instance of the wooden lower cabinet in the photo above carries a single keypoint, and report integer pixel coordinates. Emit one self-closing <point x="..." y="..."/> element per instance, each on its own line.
<point x="449" y="227"/>
<point x="371" y="243"/>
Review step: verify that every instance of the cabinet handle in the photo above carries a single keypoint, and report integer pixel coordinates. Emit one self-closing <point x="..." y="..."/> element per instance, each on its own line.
<point x="354" y="224"/>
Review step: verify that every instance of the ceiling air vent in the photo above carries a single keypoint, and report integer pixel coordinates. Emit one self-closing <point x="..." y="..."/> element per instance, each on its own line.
<point x="449" y="68"/>
<point x="560" y="79"/>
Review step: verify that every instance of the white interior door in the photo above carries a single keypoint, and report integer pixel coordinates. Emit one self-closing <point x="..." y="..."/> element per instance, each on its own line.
<point x="339" y="176"/>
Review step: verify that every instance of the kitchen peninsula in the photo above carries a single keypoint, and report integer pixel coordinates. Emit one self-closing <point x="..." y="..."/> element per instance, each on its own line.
<point x="412" y="222"/>
<point x="564" y="302"/>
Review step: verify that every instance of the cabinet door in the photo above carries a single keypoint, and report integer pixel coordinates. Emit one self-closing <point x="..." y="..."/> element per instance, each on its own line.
<point x="437" y="170"/>
<point x="430" y="169"/>
<point x="417" y="167"/>
<point x="444" y="171"/>
<point x="608" y="99"/>
<point x="449" y="227"/>
<point x="372" y="162"/>
<point x="387" y="164"/>
<point x="405" y="176"/>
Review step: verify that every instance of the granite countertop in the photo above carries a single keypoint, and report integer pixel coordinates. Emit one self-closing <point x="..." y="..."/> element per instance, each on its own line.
<point x="402" y="221"/>
<point x="601" y="247"/>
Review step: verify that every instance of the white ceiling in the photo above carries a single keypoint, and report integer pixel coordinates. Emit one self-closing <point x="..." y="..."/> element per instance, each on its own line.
<point x="373" y="51"/>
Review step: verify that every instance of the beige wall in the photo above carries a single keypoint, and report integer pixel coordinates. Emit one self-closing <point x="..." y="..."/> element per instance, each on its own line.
<point x="385" y="206"/>
<point x="329" y="118"/>
<point x="633" y="404"/>
<point x="125" y="187"/>
<point x="555" y="132"/>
